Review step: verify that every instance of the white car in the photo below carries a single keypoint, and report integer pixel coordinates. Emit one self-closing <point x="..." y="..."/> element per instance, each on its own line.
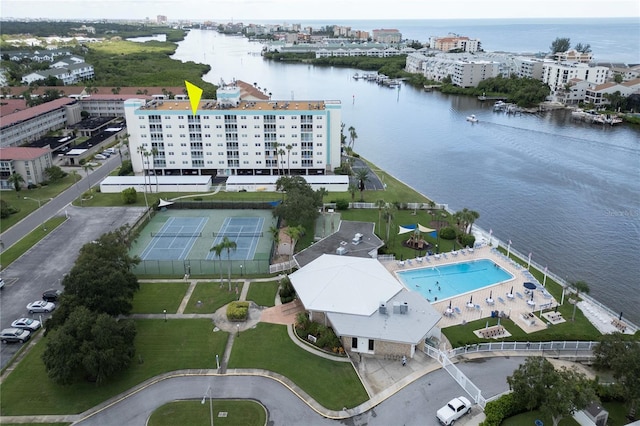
<point x="14" y="335"/>
<point x="454" y="409"/>
<point x="99" y="157"/>
<point x="26" y="324"/>
<point x="40" y="306"/>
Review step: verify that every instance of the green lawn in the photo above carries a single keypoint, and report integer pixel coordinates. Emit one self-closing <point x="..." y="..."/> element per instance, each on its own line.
<point x="18" y="249"/>
<point x="160" y="347"/>
<point x="530" y="418"/>
<point x="154" y="298"/>
<point x="194" y="413"/>
<point x="209" y="297"/>
<point x="580" y="329"/>
<point x="263" y="293"/>
<point x="332" y="384"/>
<point x="28" y="206"/>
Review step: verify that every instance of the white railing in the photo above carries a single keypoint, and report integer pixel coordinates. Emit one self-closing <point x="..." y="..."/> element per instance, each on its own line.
<point x="567" y="348"/>
<point x="284" y="266"/>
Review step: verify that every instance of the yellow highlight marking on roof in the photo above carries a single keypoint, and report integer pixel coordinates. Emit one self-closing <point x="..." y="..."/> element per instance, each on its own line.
<point x="194" y="93"/>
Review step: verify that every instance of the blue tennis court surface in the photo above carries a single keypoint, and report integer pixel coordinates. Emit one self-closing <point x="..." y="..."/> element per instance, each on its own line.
<point x="245" y="231"/>
<point x="175" y="239"/>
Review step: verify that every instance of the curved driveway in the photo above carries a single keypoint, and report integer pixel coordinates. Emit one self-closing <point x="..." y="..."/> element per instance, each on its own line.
<point x="415" y="404"/>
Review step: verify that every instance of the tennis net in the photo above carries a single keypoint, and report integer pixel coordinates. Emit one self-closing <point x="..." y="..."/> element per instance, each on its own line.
<point x="237" y="234"/>
<point x="177" y="234"/>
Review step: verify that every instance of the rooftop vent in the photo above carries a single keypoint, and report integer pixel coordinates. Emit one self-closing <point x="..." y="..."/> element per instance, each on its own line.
<point x="382" y="309"/>
<point x="341" y="251"/>
<point x="396" y="307"/>
<point x="404" y="308"/>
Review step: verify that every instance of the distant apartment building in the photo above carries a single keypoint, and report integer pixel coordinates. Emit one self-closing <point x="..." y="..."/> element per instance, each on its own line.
<point x="33" y="123"/>
<point x="340" y="31"/>
<point x="161" y="19"/>
<point x="573" y="55"/>
<point x="48" y="55"/>
<point x="30" y="163"/>
<point x="387" y="36"/>
<point x="595" y="94"/>
<point x="70" y="69"/>
<point x="233" y="136"/>
<point x="529" y="67"/>
<point x="455" y="42"/>
<point x="470" y="73"/>
<point x="557" y="75"/>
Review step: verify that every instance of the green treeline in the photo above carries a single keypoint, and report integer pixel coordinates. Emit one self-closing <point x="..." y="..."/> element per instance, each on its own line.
<point x="524" y="92"/>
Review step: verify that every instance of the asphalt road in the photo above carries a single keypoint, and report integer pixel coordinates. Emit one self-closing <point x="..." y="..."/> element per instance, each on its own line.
<point x="44" y="265"/>
<point x="416" y="404"/>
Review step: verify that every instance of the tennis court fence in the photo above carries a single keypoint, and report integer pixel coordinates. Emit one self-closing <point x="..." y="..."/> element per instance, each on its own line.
<point x="199" y="234"/>
<point x="202" y="267"/>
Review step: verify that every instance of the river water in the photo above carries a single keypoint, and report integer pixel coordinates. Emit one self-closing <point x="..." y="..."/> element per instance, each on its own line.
<point x="568" y="192"/>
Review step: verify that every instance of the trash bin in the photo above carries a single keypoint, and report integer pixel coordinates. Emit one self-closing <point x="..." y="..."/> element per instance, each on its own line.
<point x="539" y="423"/>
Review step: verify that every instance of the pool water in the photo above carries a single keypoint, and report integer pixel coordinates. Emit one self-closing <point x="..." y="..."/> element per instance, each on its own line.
<point x="437" y="283"/>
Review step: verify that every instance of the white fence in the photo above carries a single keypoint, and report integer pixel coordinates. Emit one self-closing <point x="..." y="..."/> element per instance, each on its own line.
<point x="284" y="266"/>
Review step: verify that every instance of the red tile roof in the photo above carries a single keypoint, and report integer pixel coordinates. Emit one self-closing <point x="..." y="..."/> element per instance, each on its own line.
<point x="28" y="113"/>
<point x="9" y="106"/>
<point x="22" y="153"/>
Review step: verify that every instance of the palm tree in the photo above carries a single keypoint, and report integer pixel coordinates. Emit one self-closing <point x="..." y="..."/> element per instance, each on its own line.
<point x="579" y="286"/>
<point x="352" y="188"/>
<point x="17" y="180"/>
<point x="143" y="154"/>
<point x="388" y="216"/>
<point x="289" y="147"/>
<point x="75" y="175"/>
<point x="275" y="234"/>
<point x="154" y="153"/>
<point x="217" y="249"/>
<point x="362" y="175"/>
<point x="294" y="233"/>
<point x="281" y="153"/>
<point x="87" y="167"/>
<point x="227" y="245"/>
<point x="380" y="204"/>
<point x="352" y="136"/>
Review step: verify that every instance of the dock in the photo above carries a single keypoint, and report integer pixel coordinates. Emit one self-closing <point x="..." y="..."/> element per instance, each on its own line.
<point x="483" y="98"/>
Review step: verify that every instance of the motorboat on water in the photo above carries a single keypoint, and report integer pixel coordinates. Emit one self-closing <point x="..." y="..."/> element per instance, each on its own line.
<point x="472" y="118"/>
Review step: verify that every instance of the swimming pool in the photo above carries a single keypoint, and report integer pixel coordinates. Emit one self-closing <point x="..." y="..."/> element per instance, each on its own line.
<point x="437" y="283"/>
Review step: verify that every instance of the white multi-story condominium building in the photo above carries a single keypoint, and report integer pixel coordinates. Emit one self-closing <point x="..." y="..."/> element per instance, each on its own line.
<point x="455" y="42"/>
<point x="573" y="55"/>
<point x="557" y="75"/>
<point x="527" y="67"/>
<point x="573" y="93"/>
<point x="232" y="136"/>
<point x="33" y="123"/>
<point x="30" y="163"/>
<point x="470" y="73"/>
<point x="387" y="35"/>
<point x="595" y="94"/>
<point x="69" y="74"/>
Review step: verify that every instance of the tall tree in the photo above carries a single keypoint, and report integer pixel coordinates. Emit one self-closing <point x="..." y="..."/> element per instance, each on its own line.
<point x="560" y="44"/>
<point x="294" y="232"/>
<point x="281" y="153"/>
<point x="583" y="48"/>
<point x="301" y="204"/>
<point x="388" y="217"/>
<point x="362" y="176"/>
<point x="380" y="204"/>
<point x="621" y="355"/>
<point x="87" y="167"/>
<point x="154" y="154"/>
<point x="352" y="137"/>
<point x="536" y="384"/>
<point x="228" y="245"/>
<point x="289" y="147"/>
<point x="217" y="249"/>
<point x="16" y="180"/>
<point x="90" y="346"/>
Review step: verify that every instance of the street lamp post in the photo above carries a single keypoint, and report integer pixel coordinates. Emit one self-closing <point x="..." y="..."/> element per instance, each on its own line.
<point x="165" y="315"/>
<point x="39" y="205"/>
<point x="210" y="403"/>
<point x="241" y="270"/>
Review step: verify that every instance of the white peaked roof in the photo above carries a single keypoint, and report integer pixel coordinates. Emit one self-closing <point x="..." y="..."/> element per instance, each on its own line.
<point x="342" y="284"/>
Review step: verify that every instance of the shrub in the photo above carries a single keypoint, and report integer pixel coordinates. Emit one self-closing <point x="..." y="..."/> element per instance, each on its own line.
<point x="6" y="209"/>
<point x="467" y="240"/>
<point x="448" y="233"/>
<point x="129" y="196"/>
<point x="500" y="409"/>
<point x="342" y="204"/>
<point x="237" y="311"/>
<point x="287" y="292"/>
<point x="126" y="169"/>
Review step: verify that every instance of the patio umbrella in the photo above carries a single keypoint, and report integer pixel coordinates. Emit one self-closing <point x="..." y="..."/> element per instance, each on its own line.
<point x="471" y="300"/>
<point x="449" y="304"/>
<point x="491" y="294"/>
<point x="529" y="285"/>
<point x="511" y="292"/>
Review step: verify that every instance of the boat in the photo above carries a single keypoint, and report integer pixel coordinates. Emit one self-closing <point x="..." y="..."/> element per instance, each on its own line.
<point x="472" y="118"/>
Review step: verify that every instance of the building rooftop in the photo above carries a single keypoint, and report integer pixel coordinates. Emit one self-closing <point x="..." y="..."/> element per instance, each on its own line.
<point x="22" y="153"/>
<point x="35" y="111"/>
<point x="211" y="104"/>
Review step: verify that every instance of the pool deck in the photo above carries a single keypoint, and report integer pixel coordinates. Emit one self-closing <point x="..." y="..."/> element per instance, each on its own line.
<point x="516" y="308"/>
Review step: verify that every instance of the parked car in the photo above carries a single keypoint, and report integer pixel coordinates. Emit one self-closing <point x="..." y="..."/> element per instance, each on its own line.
<point x="99" y="157"/>
<point x="26" y="324"/>
<point x="14" y="335"/>
<point x="106" y="154"/>
<point x="1" y="283"/>
<point x="51" y="295"/>
<point x="454" y="409"/>
<point x="40" y="306"/>
<point x="110" y="150"/>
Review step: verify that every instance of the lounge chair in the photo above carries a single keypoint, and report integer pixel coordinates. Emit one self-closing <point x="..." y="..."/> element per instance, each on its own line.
<point x="519" y="295"/>
<point x="419" y="259"/>
<point x="500" y="299"/>
<point x="457" y="310"/>
<point x="409" y="261"/>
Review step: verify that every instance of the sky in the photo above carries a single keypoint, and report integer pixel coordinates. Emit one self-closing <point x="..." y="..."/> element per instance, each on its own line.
<point x="300" y="10"/>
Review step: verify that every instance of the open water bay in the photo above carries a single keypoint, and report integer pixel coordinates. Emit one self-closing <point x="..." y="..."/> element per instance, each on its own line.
<point x="567" y="192"/>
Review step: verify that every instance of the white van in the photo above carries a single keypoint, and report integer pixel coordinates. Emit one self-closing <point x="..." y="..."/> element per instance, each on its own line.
<point x="111" y="150"/>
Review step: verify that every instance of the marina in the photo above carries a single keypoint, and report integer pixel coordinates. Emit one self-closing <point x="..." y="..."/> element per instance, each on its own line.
<point x="595" y="117"/>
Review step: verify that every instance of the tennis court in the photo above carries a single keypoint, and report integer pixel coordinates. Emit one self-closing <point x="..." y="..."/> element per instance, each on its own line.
<point x="178" y="241"/>
<point x="245" y="232"/>
<point x="175" y="239"/>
